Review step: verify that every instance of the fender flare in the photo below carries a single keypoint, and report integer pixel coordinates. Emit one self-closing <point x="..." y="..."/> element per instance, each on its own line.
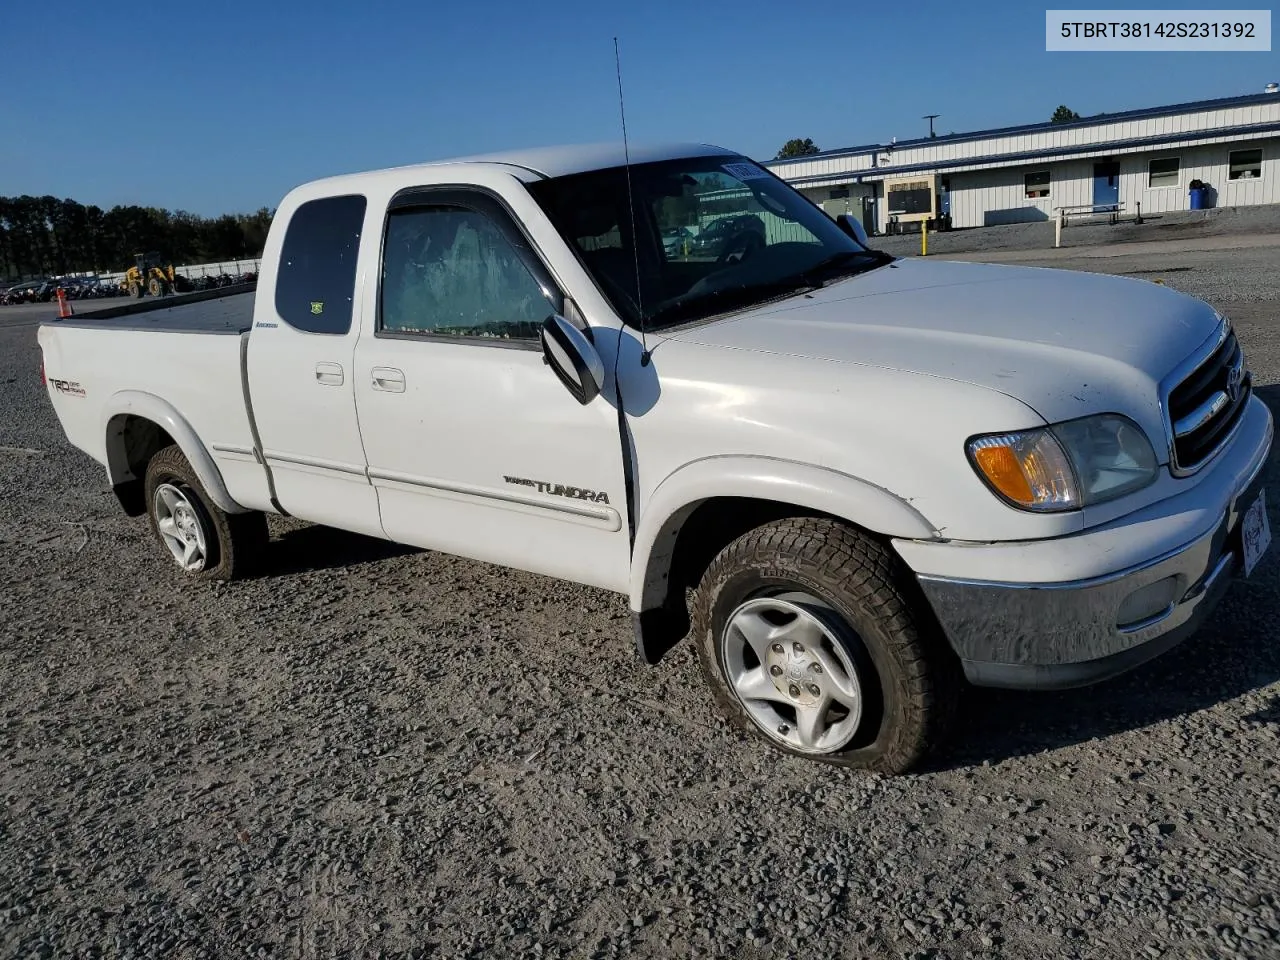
<point x="760" y="478"/>
<point x="137" y="403"/>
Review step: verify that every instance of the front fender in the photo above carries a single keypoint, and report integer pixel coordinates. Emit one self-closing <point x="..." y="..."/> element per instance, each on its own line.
<point x="147" y="406"/>
<point x="759" y="478"/>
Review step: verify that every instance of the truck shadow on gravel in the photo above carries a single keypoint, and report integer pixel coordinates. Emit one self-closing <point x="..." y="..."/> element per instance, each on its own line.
<point x="1235" y="653"/>
<point x="323" y="548"/>
<point x="1269" y="714"/>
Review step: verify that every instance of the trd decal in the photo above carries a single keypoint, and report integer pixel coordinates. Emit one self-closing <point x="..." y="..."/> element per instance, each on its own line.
<point x="560" y="490"/>
<point x="71" y="388"/>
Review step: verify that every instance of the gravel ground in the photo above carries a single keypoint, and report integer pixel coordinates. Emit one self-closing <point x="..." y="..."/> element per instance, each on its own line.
<point x="370" y="751"/>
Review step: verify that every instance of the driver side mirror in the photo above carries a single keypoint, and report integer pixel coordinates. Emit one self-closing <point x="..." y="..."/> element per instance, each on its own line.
<point x="570" y="353"/>
<point x="854" y="228"/>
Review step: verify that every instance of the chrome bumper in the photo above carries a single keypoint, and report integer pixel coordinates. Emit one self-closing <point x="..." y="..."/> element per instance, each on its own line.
<point x="1059" y="635"/>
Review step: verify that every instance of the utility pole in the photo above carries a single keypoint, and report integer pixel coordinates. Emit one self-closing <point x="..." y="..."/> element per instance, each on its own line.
<point x="931" y="117"/>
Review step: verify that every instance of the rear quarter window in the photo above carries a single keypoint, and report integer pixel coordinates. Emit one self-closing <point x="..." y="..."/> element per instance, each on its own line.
<point x="315" y="285"/>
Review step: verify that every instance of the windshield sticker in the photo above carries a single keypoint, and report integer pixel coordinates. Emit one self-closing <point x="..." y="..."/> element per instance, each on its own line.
<point x="744" y="171"/>
<point x="317" y="307"/>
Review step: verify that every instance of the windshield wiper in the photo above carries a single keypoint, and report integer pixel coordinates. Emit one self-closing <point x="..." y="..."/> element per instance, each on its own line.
<point x="816" y="274"/>
<point x="727" y="298"/>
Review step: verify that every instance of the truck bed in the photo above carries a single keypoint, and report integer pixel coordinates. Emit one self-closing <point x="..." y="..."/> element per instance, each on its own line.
<point x="177" y="362"/>
<point x="226" y="310"/>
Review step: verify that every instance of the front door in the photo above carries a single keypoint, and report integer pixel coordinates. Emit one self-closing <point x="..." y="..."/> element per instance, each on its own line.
<point x="473" y="445"/>
<point x="299" y="367"/>
<point x="1106" y="184"/>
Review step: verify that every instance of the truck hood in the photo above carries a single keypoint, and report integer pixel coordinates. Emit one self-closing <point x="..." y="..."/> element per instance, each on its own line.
<point x="1065" y="343"/>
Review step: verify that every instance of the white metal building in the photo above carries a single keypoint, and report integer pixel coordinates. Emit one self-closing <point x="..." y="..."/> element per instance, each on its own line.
<point x="1016" y="174"/>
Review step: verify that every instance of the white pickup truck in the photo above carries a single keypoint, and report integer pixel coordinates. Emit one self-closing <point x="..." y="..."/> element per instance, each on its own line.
<point x="854" y="480"/>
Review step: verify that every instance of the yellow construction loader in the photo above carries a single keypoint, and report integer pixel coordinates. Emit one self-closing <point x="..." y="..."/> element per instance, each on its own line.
<point x="149" y="275"/>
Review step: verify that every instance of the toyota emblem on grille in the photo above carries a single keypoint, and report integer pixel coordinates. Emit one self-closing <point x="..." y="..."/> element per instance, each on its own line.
<point x="1235" y="380"/>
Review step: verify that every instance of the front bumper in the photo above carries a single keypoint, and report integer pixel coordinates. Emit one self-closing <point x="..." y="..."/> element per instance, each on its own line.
<point x="1052" y="635"/>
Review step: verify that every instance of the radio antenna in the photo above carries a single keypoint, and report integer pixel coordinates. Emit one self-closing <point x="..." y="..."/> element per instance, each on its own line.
<point x="631" y="206"/>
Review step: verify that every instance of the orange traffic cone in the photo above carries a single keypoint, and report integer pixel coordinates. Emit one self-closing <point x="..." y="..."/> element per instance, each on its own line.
<point x="64" y="305"/>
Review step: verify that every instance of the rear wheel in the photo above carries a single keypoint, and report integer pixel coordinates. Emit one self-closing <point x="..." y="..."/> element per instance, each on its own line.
<point x="811" y="637"/>
<point x="201" y="538"/>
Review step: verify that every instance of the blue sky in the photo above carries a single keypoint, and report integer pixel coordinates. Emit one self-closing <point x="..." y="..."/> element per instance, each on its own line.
<point x="224" y="107"/>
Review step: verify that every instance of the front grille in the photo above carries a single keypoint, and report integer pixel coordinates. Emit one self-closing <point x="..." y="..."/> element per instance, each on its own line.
<point x="1205" y="407"/>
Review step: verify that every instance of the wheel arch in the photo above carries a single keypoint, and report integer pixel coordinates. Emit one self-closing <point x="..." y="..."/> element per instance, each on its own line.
<point x="706" y="504"/>
<point x="136" y="426"/>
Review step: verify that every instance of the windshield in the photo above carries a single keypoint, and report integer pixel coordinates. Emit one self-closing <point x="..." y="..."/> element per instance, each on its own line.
<point x="715" y="234"/>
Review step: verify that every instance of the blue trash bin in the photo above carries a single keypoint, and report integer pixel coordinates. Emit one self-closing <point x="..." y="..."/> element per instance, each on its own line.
<point x="1197" y="198"/>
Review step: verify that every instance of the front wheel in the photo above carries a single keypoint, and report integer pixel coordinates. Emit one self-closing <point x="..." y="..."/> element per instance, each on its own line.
<point x="811" y="636"/>
<point x="200" y="537"/>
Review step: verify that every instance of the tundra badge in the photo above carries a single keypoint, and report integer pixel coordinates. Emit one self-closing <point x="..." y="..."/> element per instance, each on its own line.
<point x="560" y="490"/>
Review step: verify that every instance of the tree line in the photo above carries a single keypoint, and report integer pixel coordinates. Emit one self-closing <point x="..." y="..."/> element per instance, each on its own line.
<point x="45" y="236"/>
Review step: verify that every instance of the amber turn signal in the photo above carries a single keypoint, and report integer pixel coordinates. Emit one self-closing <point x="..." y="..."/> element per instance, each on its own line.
<point x="1001" y="468"/>
<point x="1028" y="469"/>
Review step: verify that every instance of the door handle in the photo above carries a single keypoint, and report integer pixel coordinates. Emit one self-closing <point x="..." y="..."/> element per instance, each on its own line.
<point x="388" y="379"/>
<point x="329" y="374"/>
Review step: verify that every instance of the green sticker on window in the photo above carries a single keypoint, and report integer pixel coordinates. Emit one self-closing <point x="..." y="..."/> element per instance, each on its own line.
<point x="317" y="307"/>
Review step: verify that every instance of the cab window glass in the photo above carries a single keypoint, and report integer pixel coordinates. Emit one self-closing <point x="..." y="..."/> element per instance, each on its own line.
<point x="315" y="286"/>
<point x="451" y="271"/>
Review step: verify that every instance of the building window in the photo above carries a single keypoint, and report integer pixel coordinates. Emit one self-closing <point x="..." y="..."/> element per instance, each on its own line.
<point x="1163" y="172"/>
<point x="838" y="193"/>
<point x="1036" y="184"/>
<point x="1244" y="164"/>
<point x="316" y="279"/>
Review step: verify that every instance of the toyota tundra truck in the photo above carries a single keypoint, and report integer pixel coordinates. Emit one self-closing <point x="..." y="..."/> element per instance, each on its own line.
<point x="854" y="482"/>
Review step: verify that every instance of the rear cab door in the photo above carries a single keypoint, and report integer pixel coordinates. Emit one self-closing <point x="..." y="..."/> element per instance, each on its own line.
<point x="299" y="364"/>
<point x="473" y="446"/>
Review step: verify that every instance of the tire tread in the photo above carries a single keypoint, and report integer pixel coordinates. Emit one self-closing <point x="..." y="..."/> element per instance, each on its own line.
<point x="241" y="537"/>
<point x="863" y="573"/>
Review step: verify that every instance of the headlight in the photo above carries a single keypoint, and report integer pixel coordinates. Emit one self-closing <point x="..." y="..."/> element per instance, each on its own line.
<point x="1067" y="466"/>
